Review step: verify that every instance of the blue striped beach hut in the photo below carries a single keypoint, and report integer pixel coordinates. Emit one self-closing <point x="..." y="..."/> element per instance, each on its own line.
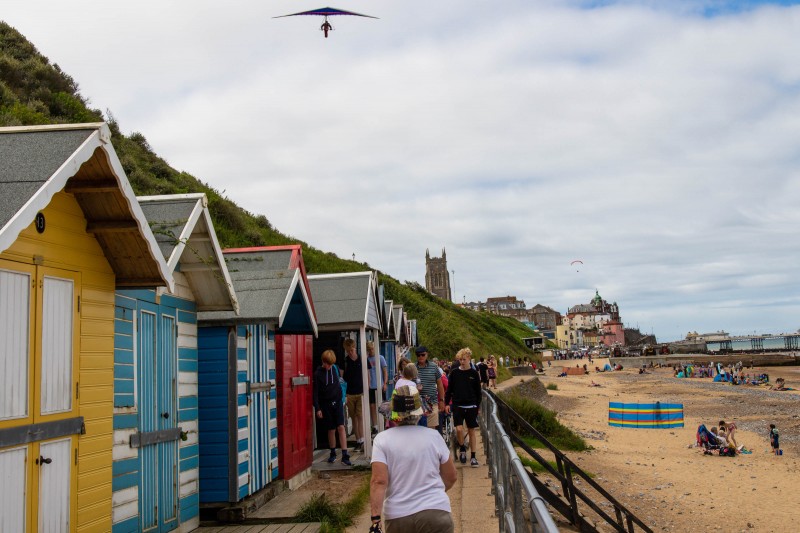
<point x="238" y="392"/>
<point x="156" y="463"/>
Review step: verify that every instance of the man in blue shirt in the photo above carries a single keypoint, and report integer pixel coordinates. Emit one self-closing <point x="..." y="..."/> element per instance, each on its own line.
<point x="432" y="387"/>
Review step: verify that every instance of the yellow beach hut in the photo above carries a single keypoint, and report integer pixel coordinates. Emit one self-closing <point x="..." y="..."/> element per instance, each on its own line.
<point x="71" y="232"/>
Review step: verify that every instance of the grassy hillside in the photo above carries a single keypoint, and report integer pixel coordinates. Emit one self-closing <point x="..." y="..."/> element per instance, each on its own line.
<point x="34" y="91"/>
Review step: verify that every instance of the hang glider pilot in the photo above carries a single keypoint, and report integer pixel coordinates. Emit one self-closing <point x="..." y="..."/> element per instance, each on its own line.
<point x="326" y="27"/>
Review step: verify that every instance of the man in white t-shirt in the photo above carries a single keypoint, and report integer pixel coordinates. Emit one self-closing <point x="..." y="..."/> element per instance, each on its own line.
<point x="418" y="463"/>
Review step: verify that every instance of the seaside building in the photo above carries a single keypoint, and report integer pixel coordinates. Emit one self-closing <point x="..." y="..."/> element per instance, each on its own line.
<point x="437" y="277"/>
<point x="507" y="306"/>
<point x="545" y="318"/>
<point x="592" y="324"/>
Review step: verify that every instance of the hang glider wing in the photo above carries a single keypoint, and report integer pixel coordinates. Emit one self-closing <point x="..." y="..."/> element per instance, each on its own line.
<point x="326" y="12"/>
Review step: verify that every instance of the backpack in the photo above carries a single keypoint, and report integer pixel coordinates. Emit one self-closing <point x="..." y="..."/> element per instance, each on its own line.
<point x="728" y="451"/>
<point x="342" y="384"/>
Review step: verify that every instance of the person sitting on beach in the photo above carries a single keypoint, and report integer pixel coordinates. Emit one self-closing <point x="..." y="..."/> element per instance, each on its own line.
<point x="779" y="385"/>
<point x="593" y="384"/>
<point x="721" y="440"/>
<point x="730" y="430"/>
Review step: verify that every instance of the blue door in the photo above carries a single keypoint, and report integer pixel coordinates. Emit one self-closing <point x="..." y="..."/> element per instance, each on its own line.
<point x="157" y="395"/>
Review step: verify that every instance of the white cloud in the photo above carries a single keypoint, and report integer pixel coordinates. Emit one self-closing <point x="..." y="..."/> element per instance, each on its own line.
<point x="654" y="143"/>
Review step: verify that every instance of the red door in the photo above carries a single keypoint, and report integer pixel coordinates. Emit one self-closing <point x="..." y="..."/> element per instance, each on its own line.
<point x="294" y="361"/>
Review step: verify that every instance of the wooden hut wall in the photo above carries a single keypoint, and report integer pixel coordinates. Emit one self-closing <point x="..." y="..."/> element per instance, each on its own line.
<point x="237" y="457"/>
<point x="66" y="251"/>
<point x="128" y="475"/>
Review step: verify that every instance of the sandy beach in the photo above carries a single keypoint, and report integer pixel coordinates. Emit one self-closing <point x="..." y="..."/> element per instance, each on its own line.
<point x="661" y="476"/>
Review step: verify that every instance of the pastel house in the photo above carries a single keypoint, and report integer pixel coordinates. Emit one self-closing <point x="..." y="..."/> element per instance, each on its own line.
<point x="156" y="450"/>
<point x="238" y="378"/>
<point x="71" y="233"/>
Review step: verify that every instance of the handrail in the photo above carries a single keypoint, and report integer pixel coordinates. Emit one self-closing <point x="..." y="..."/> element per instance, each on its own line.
<point x="512" y="485"/>
<point x="564" y="473"/>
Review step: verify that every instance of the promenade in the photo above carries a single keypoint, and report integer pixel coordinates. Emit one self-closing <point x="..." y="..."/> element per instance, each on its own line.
<point x="470" y="499"/>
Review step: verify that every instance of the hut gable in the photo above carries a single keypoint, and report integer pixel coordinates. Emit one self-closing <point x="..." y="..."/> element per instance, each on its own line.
<point x="41" y="161"/>
<point x="346" y="299"/>
<point x="181" y="224"/>
<point x="271" y="286"/>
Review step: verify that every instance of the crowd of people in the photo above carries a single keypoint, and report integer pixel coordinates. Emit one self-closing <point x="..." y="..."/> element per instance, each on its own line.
<point x="722" y="439"/>
<point x="411" y="458"/>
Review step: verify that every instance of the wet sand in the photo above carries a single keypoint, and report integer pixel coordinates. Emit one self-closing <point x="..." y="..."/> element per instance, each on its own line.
<point x="661" y="476"/>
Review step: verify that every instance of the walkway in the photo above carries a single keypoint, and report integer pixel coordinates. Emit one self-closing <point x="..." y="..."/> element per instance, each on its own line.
<point x="470" y="499"/>
<point x="271" y="528"/>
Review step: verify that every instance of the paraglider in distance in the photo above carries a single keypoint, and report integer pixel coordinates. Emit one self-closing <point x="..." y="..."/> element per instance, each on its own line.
<point x="326" y="12"/>
<point x="576" y="261"/>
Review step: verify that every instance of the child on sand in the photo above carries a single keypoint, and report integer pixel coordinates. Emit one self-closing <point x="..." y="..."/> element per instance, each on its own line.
<point x="773" y="439"/>
<point x="730" y="431"/>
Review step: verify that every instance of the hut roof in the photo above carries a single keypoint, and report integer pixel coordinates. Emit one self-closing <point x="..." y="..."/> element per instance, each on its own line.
<point x="185" y="234"/>
<point x="346" y="301"/>
<point x="270" y="284"/>
<point x="40" y="161"/>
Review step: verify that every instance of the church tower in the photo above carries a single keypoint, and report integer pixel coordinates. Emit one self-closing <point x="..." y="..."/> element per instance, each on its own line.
<point x="437" y="277"/>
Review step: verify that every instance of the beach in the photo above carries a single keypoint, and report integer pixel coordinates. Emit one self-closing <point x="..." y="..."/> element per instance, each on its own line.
<point x="660" y="475"/>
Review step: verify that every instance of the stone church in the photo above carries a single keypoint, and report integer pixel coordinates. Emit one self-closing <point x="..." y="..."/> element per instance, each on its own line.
<point x="437" y="277"/>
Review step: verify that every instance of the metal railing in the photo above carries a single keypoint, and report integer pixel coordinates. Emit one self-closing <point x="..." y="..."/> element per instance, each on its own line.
<point x="572" y="499"/>
<point x="519" y="506"/>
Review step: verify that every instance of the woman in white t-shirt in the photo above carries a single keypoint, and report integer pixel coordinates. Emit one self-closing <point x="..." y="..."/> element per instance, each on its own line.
<point x="418" y="463"/>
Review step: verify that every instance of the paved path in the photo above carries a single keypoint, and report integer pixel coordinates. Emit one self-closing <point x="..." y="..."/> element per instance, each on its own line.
<point x="470" y="499"/>
<point x="271" y="528"/>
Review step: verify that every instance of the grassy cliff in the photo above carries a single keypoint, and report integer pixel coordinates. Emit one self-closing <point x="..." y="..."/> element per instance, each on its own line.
<point x="34" y="91"/>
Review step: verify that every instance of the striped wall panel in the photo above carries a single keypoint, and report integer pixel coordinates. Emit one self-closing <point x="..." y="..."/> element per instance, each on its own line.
<point x="645" y="415"/>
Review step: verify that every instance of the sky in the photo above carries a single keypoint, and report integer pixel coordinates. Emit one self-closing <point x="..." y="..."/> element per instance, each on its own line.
<point x="656" y="141"/>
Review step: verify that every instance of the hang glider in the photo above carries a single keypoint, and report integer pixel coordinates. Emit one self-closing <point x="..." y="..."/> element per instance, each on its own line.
<point x="326" y="12"/>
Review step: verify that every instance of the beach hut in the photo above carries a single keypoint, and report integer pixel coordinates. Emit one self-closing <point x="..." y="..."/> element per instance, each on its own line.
<point x="71" y="232"/>
<point x="389" y="344"/>
<point x="238" y="385"/>
<point x="156" y="450"/>
<point x="347" y="307"/>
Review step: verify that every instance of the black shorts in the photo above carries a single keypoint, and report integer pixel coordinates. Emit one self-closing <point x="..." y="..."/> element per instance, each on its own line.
<point x="372" y="396"/>
<point x="332" y="414"/>
<point x="470" y="414"/>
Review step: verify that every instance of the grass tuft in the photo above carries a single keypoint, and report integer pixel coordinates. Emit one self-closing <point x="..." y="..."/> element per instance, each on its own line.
<point x="552" y="386"/>
<point x="544" y="420"/>
<point x="334" y="517"/>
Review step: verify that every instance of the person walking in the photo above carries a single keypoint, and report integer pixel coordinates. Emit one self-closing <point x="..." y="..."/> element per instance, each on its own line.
<point x="327" y="399"/>
<point x="483" y="372"/>
<point x="411" y="471"/>
<point x="432" y="387"/>
<point x="465" y="393"/>
<point x="355" y="390"/>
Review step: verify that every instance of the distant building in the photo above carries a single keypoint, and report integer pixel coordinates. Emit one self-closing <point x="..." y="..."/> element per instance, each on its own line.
<point x="437" y="277"/>
<point x="507" y="306"/>
<point x="544" y="317"/>
<point x="475" y="306"/>
<point x="707" y="337"/>
<point x="595" y="323"/>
